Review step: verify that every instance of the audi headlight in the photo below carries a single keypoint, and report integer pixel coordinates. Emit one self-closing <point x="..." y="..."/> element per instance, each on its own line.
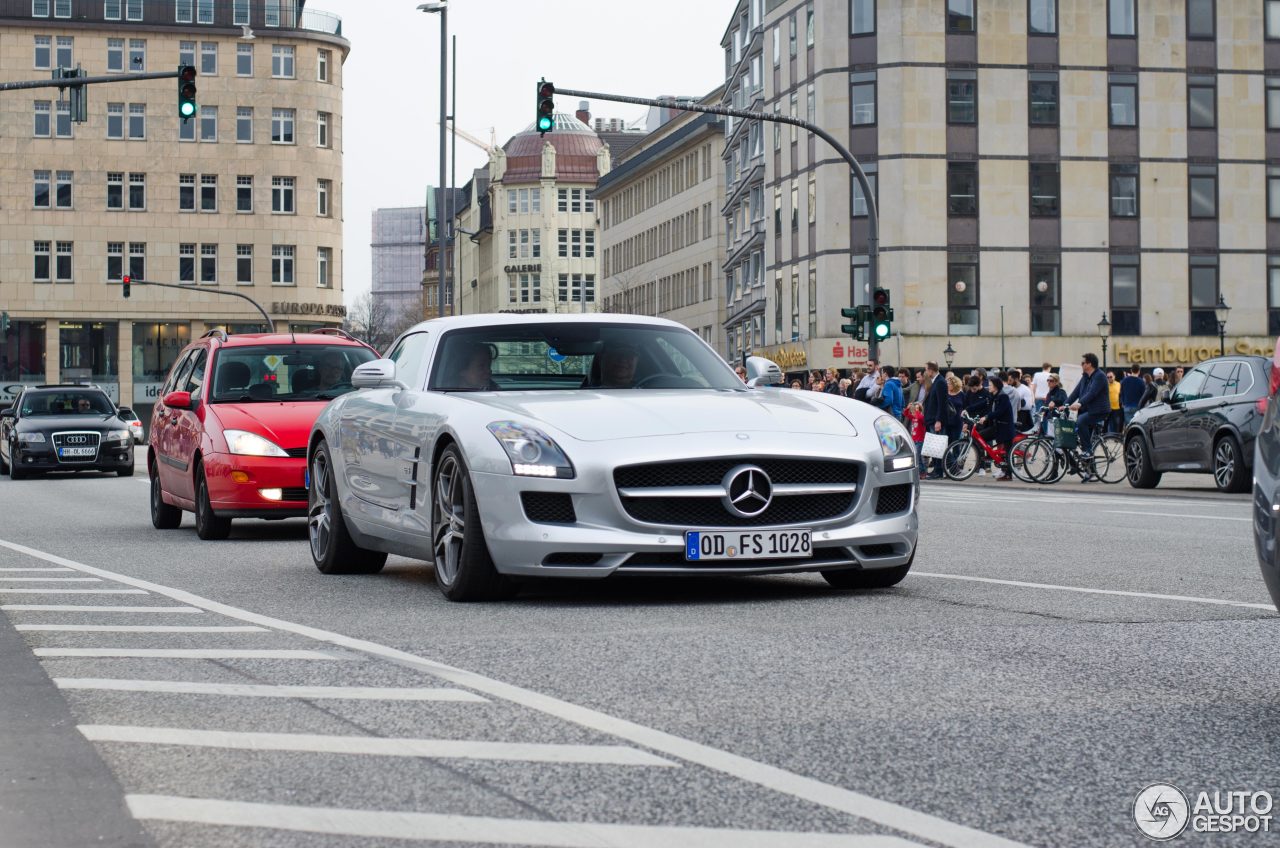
<point x="244" y="443"/>
<point x="532" y="452"/>
<point x="118" y="435"/>
<point x="31" y="438"/>
<point x="895" y="444"/>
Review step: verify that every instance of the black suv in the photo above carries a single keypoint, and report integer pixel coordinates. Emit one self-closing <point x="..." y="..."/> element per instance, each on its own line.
<point x="64" y="428"/>
<point x="1208" y="424"/>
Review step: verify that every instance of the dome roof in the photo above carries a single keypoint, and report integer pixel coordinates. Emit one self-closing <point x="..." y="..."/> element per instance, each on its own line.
<point x="576" y="146"/>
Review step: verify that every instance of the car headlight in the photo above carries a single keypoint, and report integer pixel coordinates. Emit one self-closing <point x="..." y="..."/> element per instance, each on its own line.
<point x="532" y="452"/>
<point x="895" y="444"/>
<point x="244" y="443"/>
<point x="118" y="435"/>
<point x="31" y="438"/>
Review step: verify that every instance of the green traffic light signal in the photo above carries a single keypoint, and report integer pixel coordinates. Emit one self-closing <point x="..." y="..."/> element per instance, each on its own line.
<point x="187" y="106"/>
<point x="881" y="315"/>
<point x="546" y="120"/>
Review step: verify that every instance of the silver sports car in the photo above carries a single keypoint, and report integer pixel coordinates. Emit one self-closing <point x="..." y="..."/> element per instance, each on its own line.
<point x="513" y="446"/>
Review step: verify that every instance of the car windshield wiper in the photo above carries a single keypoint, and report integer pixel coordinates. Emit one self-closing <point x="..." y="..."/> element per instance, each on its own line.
<point x="324" y="396"/>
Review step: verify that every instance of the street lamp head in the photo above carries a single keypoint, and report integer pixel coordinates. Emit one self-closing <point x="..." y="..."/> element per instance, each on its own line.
<point x="1104" y="327"/>
<point x="949" y="353"/>
<point x="1221" y="310"/>
<point x="433" y="6"/>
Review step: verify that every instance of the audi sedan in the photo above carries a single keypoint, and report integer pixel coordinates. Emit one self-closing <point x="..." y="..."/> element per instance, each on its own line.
<point x="504" y="446"/>
<point x="64" y="428"/>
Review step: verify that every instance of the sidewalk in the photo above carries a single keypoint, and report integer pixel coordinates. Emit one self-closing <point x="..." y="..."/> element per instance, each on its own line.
<point x="1172" y="485"/>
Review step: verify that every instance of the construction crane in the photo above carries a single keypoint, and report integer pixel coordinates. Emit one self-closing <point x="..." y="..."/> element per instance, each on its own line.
<point x="468" y="137"/>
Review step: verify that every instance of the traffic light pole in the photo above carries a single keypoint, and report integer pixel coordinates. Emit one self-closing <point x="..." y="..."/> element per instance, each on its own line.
<point x="873" y="217"/>
<point x="270" y="326"/>
<point x="74" y="82"/>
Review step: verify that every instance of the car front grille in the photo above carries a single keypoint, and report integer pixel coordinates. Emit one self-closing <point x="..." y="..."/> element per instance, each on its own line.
<point x="298" y="494"/>
<point x="548" y="507"/>
<point x="76" y="440"/>
<point x="893" y="499"/>
<point x="702" y="510"/>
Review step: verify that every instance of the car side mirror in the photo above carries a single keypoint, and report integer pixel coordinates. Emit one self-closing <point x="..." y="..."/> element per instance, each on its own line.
<point x="8" y="412"/>
<point x="378" y="374"/>
<point x="762" y="372"/>
<point x="178" y="400"/>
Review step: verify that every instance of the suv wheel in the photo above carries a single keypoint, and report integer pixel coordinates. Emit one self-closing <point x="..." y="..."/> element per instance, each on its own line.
<point x="332" y="548"/>
<point x="1137" y="464"/>
<point x="208" y="525"/>
<point x="163" y="516"/>
<point x="1229" y="472"/>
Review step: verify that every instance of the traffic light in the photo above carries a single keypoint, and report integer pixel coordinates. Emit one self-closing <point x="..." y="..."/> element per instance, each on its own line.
<point x="858" y="329"/>
<point x="125" y="282"/>
<point x="881" y="315"/>
<point x="546" y="121"/>
<point x="187" y="91"/>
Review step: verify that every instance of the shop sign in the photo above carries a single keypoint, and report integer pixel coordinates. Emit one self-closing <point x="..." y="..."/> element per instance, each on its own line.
<point x="788" y="358"/>
<point x="335" y="310"/>
<point x="850" y="354"/>
<point x="9" y="391"/>
<point x="535" y="268"/>
<point x="530" y="311"/>
<point x="144" y="392"/>
<point x="1166" y="352"/>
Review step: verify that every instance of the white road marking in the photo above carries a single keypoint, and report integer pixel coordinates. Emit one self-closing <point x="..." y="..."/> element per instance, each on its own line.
<point x="186" y="653"/>
<point x="434" y="827"/>
<point x="52" y="579"/>
<point x="7" y="591"/>
<point x="7" y="570"/>
<point x="459" y="749"/>
<point x="80" y="608"/>
<point x="141" y="628"/>
<point x="1083" y="590"/>
<point x="253" y="690"/>
<point x="808" y="789"/>
<point x="1174" y="515"/>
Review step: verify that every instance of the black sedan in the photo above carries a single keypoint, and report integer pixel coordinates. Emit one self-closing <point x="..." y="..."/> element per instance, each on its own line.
<point x="64" y="428"/>
<point x="1208" y="424"/>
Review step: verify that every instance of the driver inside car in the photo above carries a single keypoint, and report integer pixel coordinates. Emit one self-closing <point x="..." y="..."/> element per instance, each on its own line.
<point x="333" y="371"/>
<point x="476" y="371"/>
<point x="618" y="366"/>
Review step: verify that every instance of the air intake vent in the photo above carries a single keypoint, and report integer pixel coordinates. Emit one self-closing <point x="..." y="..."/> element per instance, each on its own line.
<point x="571" y="558"/>
<point x="893" y="499"/>
<point x="548" y="507"/>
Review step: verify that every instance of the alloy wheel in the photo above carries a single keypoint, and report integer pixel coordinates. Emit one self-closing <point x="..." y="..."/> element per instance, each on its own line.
<point x="1133" y="459"/>
<point x="449" y="519"/>
<point x="320" y="511"/>
<point x="1224" y="463"/>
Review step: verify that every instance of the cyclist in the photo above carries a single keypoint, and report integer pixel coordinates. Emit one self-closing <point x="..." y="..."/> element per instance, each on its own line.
<point x="1092" y="398"/>
<point x="996" y="428"/>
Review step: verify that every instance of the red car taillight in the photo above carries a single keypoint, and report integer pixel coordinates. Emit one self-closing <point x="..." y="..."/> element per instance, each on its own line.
<point x="1272" y="388"/>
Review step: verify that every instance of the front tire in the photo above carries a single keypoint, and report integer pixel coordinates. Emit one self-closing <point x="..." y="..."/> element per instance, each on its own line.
<point x="15" y="473"/>
<point x="208" y="525"/>
<point x="1137" y="464"/>
<point x="1229" y="473"/>
<point x="464" y="568"/>
<point x="163" y="516"/>
<point x="332" y="548"/>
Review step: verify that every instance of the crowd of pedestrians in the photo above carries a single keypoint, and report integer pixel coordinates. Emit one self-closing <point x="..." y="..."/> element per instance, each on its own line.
<point x="1000" y="403"/>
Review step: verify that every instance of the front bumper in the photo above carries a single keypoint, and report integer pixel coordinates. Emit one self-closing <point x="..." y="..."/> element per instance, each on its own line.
<point x="111" y="456"/>
<point x="236" y="484"/>
<point x="603" y="539"/>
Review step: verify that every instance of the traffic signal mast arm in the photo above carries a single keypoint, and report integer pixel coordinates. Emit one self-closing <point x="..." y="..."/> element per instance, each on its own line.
<point x="136" y="282"/>
<point x="72" y="82"/>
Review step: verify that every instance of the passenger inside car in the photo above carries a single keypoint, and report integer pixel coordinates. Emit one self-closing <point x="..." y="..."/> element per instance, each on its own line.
<point x="332" y="371"/>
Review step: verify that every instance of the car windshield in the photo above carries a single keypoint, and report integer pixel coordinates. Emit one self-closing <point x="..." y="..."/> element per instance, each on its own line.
<point x="514" y="357"/>
<point x="285" y="372"/>
<point x="69" y="402"/>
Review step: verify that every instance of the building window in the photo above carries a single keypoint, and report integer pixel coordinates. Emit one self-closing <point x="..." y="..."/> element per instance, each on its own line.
<point x="324" y="261"/>
<point x="244" y="193"/>
<point x="1042" y="91"/>
<point x="42" y="127"/>
<point x="186" y="52"/>
<point x="962" y="189"/>
<point x="322" y="65"/>
<point x="1273" y="103"/>
<point x="777" y="210"/>
<point x="1121" y="18"/>
<point x="244" y="60"/>
<point x="62" y="56"/>
<point x="282" y="195"/>
<point x="1204" y="295"/>
<point x="323" y="188"/>
<point x="62" y="119"/>
<point x="791" y="41"/>
<point x="183" y="11"/>
<point x="282" y="126"/>
<point x="1200" y="19"/>
<point x="115" y="54"/>
<point x="137" y="121"/>
<point x="282" y="265"/>
<point x="962" y="296"/>
<point x="137" y="192"/>
<point x="137" y="54"/>
<point x="862" y="17"/>
<point x="1126" y="313"/>
<point x="1124" y="100"/>
<point x="862" y="100"/>
<point x="115" y="120"/>
<point x="812" y="199"/>
<point x="577" y="288"/>
<point x="244" y="264"/>
<point x="1124" y="191"/>
<point x="859" y="199"/>
<point x="209" y="264"/>
<point x="1046" y="302"/>
<point x="282" y="61"/>
<point x="1045" y="189"/>
<point x="813" y="304"/>
<point x="63" y="263"/>
<point x="41" y="268"/>
<point x="43" y="182"/>
<point x="138" y="260"/>
<point x="1273" y="295"/>
<point x="186" y="263"/>
<point x="1042" y="17"/>
<point x="62" y="8"/>
<point x="43" y="52"/>
<point x="111" y="10"/>
<point x="272" y="16"/>
<point x="39" y="8"/>
<point x="204" y="11"/>
<point x="960" y="17"/>
<point x="208" y="58"/>
<point x="208" y="192"/>
<point x="187" y="192"/>
<point x="322" y="129"/>
<point x="240" y="12"/>
<point x="62" y="195"/>
<point x="115" y="190"/>
<point x="209" y="123"/>
<point x="1203" y="183"/>
<point x="1201" y="102"/>
<point x="795" y="206"/>
<point x="186" y="130"/>
<point x="244" y="125"/>
<point x="962" y="97"/>
<point x="115" y="261"/>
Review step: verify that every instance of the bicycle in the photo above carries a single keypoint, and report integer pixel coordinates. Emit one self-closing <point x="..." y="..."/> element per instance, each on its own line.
<point x="965" y="454"/>
<point x="1049" y="459"/>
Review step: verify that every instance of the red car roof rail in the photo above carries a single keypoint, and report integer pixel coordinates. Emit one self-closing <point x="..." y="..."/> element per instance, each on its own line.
<point x="334" y="331"/>
<point x="217" y="333"/>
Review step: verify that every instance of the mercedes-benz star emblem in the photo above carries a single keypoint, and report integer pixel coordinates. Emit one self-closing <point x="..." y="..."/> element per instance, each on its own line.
<point x="748" y="491"/>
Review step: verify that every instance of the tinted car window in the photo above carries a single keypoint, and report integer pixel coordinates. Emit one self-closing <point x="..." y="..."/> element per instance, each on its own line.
<point x="1222" y="380"/>
<point x="409" y="357"/>
<point x="180" y="373"/>
<point x="1192" y="385"/>
<point x="195" y="379"/>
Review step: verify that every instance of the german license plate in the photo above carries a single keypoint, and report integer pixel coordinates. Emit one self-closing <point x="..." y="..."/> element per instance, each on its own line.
<point x="700" y="545"/>
<point x="77" y="451"/>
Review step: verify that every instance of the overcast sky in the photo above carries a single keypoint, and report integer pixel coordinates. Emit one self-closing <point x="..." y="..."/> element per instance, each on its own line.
<point x="391" y="82"/>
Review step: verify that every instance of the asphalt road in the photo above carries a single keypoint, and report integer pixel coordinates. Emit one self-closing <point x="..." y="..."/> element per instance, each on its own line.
<point x="1052" y="653"/>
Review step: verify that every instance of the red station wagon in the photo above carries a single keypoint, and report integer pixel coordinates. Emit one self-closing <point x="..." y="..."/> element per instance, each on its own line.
<point x="228" y="438"/>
